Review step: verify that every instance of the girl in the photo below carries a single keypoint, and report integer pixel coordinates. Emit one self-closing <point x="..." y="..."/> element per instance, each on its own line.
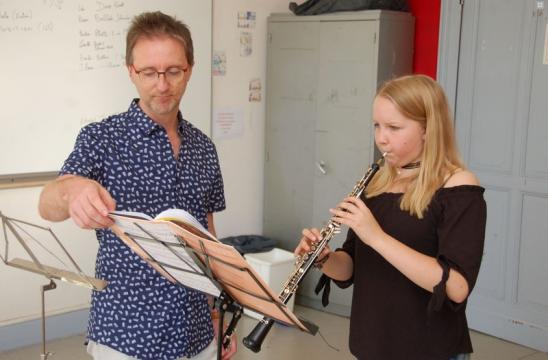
<point x="415" y="241"/>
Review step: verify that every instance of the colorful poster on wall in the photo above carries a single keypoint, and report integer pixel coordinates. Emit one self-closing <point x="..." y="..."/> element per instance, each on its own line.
<point x="246" y="19"/>
<point x="219" y="63"/>
<point x="255" y="90"/>
<point x="246" y="43"/>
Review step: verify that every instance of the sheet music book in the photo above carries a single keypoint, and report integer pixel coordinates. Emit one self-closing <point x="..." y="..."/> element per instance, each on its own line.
<point x="154" y="241"/>
<point x="178" y="216"/>
<point x="184" y="257"/>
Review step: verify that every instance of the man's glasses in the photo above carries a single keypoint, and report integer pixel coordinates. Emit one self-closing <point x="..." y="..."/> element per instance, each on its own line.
<point x="150" y="76"/>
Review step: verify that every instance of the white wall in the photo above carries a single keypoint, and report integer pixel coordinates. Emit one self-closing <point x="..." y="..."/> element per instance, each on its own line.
<point x="20" y="290"/>
<point x="241" y="161"/>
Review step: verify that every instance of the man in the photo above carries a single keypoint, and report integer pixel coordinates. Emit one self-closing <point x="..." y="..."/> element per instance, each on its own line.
<point x="147" y="159"/>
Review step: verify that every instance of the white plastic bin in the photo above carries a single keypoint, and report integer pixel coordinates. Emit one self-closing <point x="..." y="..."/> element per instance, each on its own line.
<point x="274" y="267"/>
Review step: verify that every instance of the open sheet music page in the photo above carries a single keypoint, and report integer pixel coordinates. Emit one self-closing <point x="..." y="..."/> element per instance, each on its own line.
<point x="156" y="243"/>
<point x="178" y="216"/>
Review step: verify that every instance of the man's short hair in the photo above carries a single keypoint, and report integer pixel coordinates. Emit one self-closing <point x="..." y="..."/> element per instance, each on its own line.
<point x="153" y="24"/>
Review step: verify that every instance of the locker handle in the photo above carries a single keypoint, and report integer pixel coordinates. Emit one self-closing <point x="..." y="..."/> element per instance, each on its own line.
<point x="321" y="166"/>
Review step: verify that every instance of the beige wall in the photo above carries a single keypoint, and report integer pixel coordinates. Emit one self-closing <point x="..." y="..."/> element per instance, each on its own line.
<point x="242" y="159"/>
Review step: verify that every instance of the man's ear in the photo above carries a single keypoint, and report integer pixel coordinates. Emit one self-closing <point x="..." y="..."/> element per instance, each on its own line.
<point x="189" y="73"/>
<point x="131" y="73"/>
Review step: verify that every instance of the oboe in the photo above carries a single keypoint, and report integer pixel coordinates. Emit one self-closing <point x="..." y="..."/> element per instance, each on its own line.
<point x="256" y="337"/>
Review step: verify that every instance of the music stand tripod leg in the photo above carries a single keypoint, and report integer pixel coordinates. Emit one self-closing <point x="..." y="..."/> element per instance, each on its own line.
<point x="220" y="322"/>
<point x="43" y="289"/>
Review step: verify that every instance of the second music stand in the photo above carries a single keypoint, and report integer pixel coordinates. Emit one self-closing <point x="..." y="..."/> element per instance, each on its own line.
<point x="20" y="231"/>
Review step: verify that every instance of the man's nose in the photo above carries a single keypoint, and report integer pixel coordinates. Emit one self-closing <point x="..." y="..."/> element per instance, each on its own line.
<point x="162" y="81"/>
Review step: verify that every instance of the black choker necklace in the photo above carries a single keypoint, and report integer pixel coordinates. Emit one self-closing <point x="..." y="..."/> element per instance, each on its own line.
<point x="412" y="165"/>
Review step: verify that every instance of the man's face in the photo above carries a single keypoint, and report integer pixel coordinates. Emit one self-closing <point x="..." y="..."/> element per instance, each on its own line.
<point x="160" y="96"/>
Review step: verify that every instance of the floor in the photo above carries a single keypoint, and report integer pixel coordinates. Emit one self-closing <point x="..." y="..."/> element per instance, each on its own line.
<point x="285" y="343"/>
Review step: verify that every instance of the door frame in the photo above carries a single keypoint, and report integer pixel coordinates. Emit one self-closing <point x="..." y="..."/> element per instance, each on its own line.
<point x="449" y="49"/>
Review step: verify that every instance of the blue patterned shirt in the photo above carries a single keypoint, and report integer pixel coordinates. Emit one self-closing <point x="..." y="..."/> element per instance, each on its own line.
<point x="140" y="313"/>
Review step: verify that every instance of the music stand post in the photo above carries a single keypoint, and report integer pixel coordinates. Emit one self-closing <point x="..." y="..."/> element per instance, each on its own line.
<point x="36" y="266"/>
<point x="226" y="303"/>
<point x="43" y="289"/>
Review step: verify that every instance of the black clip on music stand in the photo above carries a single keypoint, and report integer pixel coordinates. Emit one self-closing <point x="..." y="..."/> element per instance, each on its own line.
<point x="15" y="228"/>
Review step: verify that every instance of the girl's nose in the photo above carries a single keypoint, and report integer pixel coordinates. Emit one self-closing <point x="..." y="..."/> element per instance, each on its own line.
<point x="380" y="136"/>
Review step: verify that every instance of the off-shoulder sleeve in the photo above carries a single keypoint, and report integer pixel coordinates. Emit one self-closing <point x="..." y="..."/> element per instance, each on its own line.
<point x="461" y="235"/>
<point x="347" y="247"/>
<point x="324" y="283"/>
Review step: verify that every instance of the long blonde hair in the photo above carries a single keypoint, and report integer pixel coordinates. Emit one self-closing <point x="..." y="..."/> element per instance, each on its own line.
<point x="421" y="99"/>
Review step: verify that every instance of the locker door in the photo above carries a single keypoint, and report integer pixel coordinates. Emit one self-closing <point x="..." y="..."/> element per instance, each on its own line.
<point x="290" y="121"/>
<point x="343" y="132"/>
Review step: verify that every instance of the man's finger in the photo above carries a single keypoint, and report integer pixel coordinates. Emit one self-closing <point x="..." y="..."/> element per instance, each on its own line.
<point x="98" y="212"/>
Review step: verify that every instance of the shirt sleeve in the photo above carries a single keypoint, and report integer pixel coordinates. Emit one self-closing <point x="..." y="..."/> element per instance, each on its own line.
<point x="85" y="159"/>
<point x="348" y="247"/>
<point x="461" y="237"/>
<point x="217" y="194"/>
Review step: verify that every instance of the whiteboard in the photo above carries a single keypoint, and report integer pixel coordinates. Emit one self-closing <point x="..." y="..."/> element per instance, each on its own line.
<point x="62" y="67"/>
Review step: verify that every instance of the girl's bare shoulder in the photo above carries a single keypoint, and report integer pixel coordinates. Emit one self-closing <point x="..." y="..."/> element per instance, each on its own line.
<point x="461" y="177"/>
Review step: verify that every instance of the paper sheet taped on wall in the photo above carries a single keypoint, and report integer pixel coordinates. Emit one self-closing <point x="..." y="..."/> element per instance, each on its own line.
<point x="228" y="123"/>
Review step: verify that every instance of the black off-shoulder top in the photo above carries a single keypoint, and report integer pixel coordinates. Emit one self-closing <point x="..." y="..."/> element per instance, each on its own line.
<point x="391" y="317"/>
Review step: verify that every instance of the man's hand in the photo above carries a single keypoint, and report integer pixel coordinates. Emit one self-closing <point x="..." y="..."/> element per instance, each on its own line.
<point x="85" y="200"/>
<point x="89" y="203"/>
<point x="228" y="352"/>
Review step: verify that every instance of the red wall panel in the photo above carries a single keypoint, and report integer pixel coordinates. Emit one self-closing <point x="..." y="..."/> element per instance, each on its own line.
<point x="427" y="21"/>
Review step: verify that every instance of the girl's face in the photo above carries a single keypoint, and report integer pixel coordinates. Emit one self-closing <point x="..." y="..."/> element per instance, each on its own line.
<point x="400" y="137"/>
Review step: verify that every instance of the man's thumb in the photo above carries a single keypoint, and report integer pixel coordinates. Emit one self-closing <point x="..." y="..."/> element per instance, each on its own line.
<point x="107" y="199"/>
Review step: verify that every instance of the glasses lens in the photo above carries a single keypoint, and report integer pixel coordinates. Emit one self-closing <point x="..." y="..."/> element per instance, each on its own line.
<point x="148" y="76"/>
<point x="174" y="75"/>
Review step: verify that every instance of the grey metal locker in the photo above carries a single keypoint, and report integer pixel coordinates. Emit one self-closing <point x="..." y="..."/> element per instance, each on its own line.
<point x="322" y="74"/>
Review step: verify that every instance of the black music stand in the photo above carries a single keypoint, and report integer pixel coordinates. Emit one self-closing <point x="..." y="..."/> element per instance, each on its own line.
<point x="20" y="230"/>
<point x="206" y="265"/>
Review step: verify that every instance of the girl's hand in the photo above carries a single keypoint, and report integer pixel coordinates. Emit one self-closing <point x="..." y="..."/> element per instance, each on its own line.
<point x="309" y="239"/>
<point x="353" y="213"/>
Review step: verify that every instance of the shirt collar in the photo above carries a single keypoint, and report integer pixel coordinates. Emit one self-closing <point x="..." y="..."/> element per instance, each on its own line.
<point x="143" y="122"/>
